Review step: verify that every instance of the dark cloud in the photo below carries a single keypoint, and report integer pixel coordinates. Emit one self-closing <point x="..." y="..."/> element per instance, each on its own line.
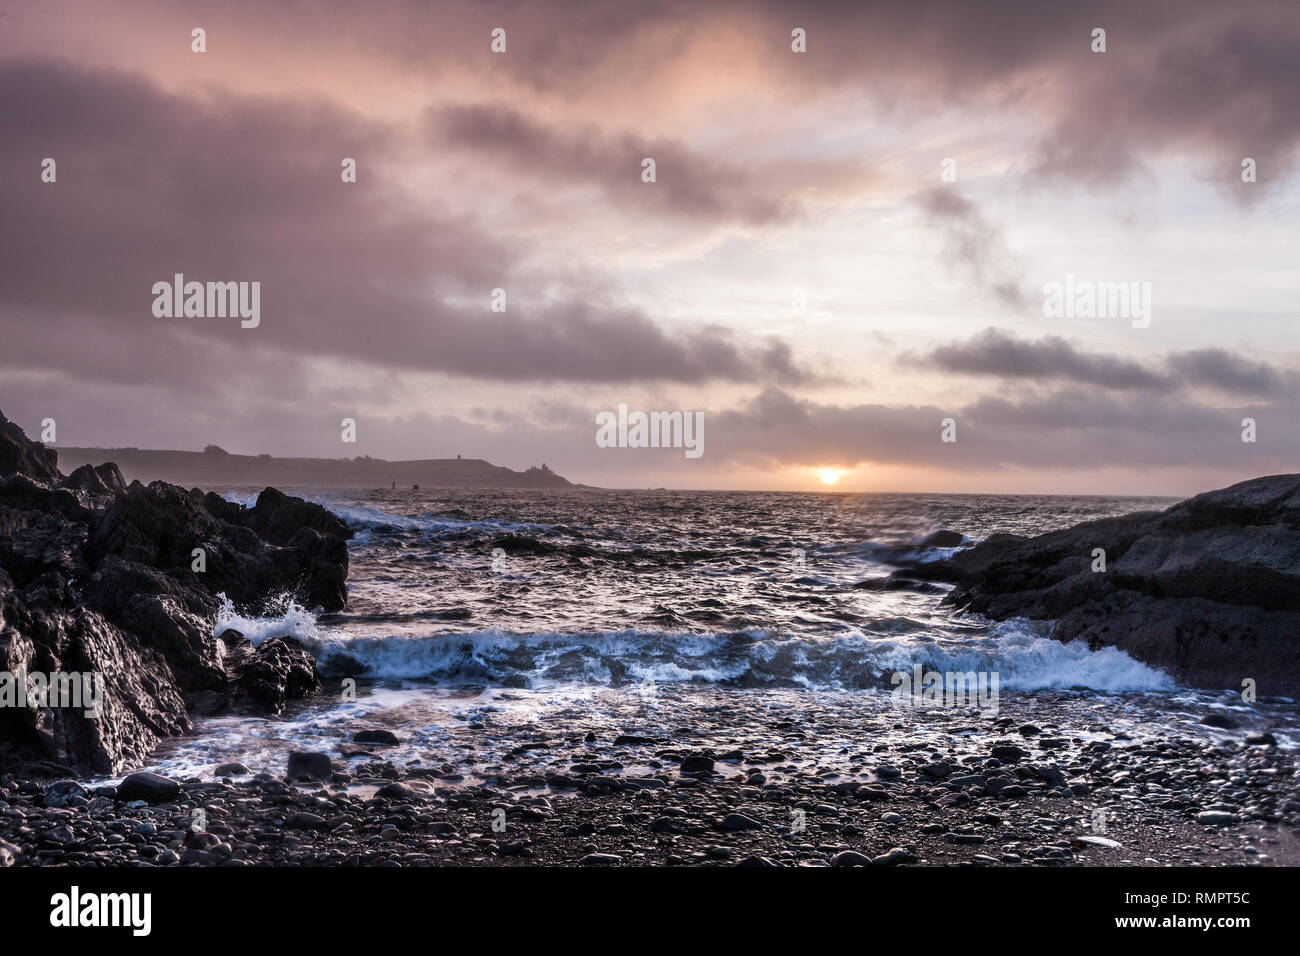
<point x="1067" y="429"/>
<point x="999" y="354"/>
<point x="239" y="188"/>
<point x="1221" y="369"/>
<point x="1212" y="80"/>
<point x="687" y="184"/>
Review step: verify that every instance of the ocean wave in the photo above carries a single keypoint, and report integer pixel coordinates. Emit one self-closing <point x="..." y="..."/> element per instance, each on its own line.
<point x="284" y="617"/>
<point x="1024" y="660"/>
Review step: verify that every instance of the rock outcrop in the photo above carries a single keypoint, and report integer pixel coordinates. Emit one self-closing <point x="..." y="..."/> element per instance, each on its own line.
<point x="1207" y="590"/>
<point x="104" y="580"/>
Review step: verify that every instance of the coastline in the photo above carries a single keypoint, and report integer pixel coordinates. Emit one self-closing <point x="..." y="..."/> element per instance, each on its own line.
<point x="699" y="776"/>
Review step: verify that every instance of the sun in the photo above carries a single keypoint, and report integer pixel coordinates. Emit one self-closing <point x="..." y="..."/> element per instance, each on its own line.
<point x="829" y="475"/>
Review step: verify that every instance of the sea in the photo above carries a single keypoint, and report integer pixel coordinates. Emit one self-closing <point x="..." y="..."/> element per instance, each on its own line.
<point x="536" y="611"/>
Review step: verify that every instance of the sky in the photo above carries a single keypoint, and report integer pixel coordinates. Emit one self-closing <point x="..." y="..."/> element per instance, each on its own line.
<point x="846" y="254"/>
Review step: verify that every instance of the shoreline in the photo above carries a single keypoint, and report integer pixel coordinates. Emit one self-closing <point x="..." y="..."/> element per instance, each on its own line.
<point x="705" y="776"/>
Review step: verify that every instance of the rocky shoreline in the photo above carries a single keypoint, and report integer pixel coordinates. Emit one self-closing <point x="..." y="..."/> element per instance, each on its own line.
<point x="701" y="777"/>
<point x="124" y="581"/>
<point x="120" y="583"/>
<point x="1207" y="590"/>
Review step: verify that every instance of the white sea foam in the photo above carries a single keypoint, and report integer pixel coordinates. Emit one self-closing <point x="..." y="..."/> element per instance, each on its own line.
<point x="1025" y="660"/>
<point x="286" y="618"/>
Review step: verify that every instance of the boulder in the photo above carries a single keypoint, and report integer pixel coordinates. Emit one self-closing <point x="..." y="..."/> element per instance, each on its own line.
<point x="312" y="766"/>
<point x="149" y="787"/>
<point x="99" y="578"/>
<point x="18" y="456"/>
<point x="1207" y="590"/>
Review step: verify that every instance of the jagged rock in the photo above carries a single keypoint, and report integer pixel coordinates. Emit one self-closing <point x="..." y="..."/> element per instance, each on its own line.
<point x="1207" y="590"/>
<point x="99" y="578"/>
<point x="18" y="456"/>
<point x="99" y="481"/>
<point x="280" y="669"/>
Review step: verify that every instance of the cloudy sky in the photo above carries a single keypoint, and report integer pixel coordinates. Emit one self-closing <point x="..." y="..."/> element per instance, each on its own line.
<point x="801" y="270"/>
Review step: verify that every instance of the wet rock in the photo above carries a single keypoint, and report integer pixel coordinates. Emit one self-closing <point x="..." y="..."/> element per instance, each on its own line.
<point x="61" y="792"/>
<point x="312" y="766"/>
<point x="278" y="671"/>
<point x="943" y="539"/>
<point x="895" y="857"/>
<point x="850" y="858"/>
<point x="343" y="665"/>
<point x="149" y="787"/>
<point x="1221" y="720"/>
<point x="1217" y="818"/>
<point x="99" y="577"/>
<point x="395" y="791"/>
<point x="697" y="763"/>
<point x="938" y="770"/>
<point x="1009" y="753"/>
<point x="98" y="481"/>
<point x="1207" y="590"/>
<point x="22" y="457"/>
<point x="381" y="738"/>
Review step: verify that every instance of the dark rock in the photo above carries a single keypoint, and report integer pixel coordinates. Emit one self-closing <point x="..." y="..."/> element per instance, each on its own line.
<point x="304" y="821"/>
<point x="98" y="577"/>
<point x="1207" y="590"/>
<point x="149" y="787"/>
<point x="1217" y="818"/>
<point x="697" y="763"/>
<point x="18" y="456"/>
<point x="850" y="858"/>
<point x="943" y="539"/>
<point x="230" y="770"/>
<point x="395" y="791"/>
<point x="1051" y="775"/>
<point x="59" y="793"/>
<point x="738" y="821"/>
<point x="98" y="481"/>
<point x="1220" y="720"/>
<point x="1009" y="753"/>
<point x="382" y="738"/>
<point x="312" y="766"/>
<point x="279" y="670"/>
<point x="343" y="665"/>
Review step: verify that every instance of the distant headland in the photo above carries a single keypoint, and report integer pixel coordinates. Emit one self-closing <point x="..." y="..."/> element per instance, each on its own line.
<point x="215" y="466"/>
